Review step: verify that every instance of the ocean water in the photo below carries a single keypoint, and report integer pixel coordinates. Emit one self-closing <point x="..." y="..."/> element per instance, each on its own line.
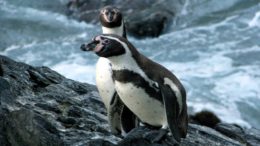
<point x="212" y="46"/>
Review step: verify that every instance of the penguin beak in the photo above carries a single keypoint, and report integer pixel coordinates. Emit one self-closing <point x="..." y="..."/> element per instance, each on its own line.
<point x="110" y="17"/>
<point x="89" y="47"/>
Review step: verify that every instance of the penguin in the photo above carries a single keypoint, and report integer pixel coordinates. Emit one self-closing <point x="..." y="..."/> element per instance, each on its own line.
<point x="121" y="120"/>
<point x="148" y="89"/>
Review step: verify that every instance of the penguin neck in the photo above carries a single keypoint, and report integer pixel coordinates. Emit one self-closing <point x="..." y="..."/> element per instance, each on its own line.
<point x="115" y="30"/>
<point x="126" y="61"/>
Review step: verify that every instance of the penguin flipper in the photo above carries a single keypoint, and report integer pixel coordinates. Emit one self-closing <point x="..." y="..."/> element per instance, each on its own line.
<point x="114" y="114"/>
<point x="121" y="118"/>
<point x="129" y="120"/>
<point x="171" y="109"/>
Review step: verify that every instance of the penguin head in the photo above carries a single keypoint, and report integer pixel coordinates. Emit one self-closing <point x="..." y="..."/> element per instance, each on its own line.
<point x="110" y="17"/>
<point x="106" y="45"/>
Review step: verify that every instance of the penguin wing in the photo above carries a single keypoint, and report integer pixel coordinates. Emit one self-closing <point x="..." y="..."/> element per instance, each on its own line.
<point x="114" y="113"/>
<point x="120" y="118"/>
<point x="171" y="110"/>
<point x="129" y="120"/>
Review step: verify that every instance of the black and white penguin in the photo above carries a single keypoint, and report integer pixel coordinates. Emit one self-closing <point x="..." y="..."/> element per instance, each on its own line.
<point x="148" y="89"/>
<point x="120" y="118"/>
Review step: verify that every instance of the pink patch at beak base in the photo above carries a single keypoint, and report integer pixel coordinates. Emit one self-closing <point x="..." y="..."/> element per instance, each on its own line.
<point x="98" y="48"/>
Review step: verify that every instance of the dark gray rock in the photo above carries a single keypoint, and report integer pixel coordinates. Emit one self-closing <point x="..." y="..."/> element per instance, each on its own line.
<point x="252" y="136"/>
<point x="197" y="136"/>
<point x="248" y="136"/>
<point x="149" y="22"/>
<point x="205" y="118"/>
<point x="39" y="107"/>
<point x="148" y="18"/>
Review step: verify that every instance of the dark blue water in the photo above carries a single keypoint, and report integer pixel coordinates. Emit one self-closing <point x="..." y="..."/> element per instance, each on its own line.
<point x="213" y="47"/>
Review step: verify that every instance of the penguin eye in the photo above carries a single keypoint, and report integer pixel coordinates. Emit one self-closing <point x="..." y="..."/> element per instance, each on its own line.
<point x="106" y="41"/>
<point x="106" y="13"/>
<point x="113" y="12"/>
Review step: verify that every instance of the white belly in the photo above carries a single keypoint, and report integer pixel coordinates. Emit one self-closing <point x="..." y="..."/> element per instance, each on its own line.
<point x="149" y="110"/>
<point x="104" y="80"/>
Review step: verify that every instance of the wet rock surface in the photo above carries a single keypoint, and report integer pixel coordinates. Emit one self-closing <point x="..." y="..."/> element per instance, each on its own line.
<point x="205" y="118"/>
<point x="148" y="18"/>
<point x="247" y="136"/>
<point x="39" y="107"/>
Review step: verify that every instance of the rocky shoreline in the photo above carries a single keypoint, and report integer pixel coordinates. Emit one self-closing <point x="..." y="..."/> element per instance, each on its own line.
<point x="40" y="107"/>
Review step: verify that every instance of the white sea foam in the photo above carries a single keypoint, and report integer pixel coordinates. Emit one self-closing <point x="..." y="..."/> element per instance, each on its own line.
<point x="75" y="71"/>
<point x="45" y="17"/>
<point x="2" y="3"/>
<point x="205" y="67"/>
<point x="255" y="22"/>
<point x="238" y="86"/>
<point x="184" y="10"/>
<point x="228" y="113"/>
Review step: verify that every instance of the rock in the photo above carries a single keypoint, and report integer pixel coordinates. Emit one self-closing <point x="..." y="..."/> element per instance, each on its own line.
<point x="39" y="107"/>
<point x="197" y="135"/>
<point x="151" y="22"/>
<point x="148" y="18"/>
<point x="206" y="118"/>
<point x="247" y="136"/>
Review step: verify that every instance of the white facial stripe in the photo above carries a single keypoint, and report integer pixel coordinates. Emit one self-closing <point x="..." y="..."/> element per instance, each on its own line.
<point x="176" y="90"/>
<point x="128" y="62"/>
<point x="104" y="15"/>
<point x="106" y="18"/>
<point x="104" y="11"/>
<point x="115" y="10"/>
